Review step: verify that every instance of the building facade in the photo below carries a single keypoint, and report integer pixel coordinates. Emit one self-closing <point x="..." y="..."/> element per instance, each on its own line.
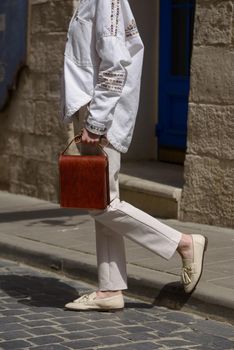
<point x="186" y="112"/>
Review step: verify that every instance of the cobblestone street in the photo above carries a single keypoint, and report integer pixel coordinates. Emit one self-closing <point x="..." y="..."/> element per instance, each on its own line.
<point x="32" y="317"/>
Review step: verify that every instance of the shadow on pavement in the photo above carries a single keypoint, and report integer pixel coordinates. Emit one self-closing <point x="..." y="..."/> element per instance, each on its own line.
<point x="39" y="214"/>
<point x="38" y="291"/>
<point x="172" y="295"/>
<point x="46" y="292"/>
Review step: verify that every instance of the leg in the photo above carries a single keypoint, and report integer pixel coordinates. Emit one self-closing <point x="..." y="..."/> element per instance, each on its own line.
<point x="126" y="220"/>
<point x="111" y="259"/>
<point x="123" y="219"/>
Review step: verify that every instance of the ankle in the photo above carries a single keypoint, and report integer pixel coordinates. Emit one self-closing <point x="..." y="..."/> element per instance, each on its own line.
<point x="108" y="293"/>
<point x="185" y="246"/>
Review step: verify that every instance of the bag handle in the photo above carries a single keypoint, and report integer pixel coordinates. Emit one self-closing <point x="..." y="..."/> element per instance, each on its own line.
<point x="77" y="140"/>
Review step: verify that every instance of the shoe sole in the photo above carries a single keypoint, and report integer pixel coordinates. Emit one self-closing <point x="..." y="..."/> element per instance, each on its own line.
<point x="203" y="256"/>
<point x="98" y="310"/>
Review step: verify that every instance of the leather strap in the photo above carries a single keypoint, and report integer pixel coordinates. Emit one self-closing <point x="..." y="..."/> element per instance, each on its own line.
<point x="77" y="140"/>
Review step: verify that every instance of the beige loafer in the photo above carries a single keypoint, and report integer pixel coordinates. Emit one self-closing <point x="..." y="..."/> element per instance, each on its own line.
<point x="192" y="268"/>
<point x="90" y="302"/>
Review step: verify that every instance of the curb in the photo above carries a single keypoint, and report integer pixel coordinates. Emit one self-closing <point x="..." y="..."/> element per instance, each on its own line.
<point x="161" y="289"/>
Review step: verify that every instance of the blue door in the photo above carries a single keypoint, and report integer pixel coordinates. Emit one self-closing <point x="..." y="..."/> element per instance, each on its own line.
<point x="176" y="30"/>
<point x="13" y="41"/>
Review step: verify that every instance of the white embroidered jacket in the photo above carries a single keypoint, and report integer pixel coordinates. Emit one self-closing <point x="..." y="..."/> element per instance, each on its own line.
<point x="102" y="65"/>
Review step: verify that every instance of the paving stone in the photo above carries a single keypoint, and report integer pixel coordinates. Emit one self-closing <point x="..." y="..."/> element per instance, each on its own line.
<point x="213" y="327"/>
<point x="14" y="335"/>
<point x="9" y="319"/>
<point x="179" y="317"/>
<point x="39" y="323"/>
<point x="81" y="344"/>
<point x="12" y="327"/>
<point x="33" y="320"/>
<point x="76" y="327"/>
<point x="137" y="317"/>
<point x="209" y="340"/>
<point x="50" y="347"/>
<point x="111" y="340"/>
<point x="34" y="317"/>
<point x="90" y="315"/>
<point x="171" y="343"/>
<point x="68" y="320"/>
<point x="13" y="306"/>
<point x="15" y="312"/>
<point x="103" y="324"/>
<point x="108" y="331"/>
<point x="140" y="336"/>
<point x="14" y="344"/>
<point x="78" y="335"/>
<point x="138" y="346"/>
<point x="44" y="330"/>
<point x="45" y="340"/>
<point x="164" y="327"/>
<point x="136" y="329"/>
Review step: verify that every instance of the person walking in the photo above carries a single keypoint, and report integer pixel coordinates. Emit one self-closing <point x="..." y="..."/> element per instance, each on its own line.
<point x="101" y="85"/>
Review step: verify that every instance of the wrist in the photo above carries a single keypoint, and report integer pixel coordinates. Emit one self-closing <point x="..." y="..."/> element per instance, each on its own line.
<point x="94" y="129"/>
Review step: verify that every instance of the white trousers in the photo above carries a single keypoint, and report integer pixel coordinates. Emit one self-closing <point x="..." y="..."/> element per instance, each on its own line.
<point x="121" y="220"/>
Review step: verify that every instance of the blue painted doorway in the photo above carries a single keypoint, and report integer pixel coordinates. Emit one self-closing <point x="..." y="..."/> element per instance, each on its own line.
<point x="176" y="32"/>
<point x="13" y="44"/>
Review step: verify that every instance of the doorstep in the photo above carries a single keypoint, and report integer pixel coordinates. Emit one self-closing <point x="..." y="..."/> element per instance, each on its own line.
<point x="152" y="186"/>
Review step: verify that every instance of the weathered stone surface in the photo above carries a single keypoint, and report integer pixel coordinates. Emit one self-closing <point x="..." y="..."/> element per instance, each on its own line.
<point x="211" y="131"/>
<point x="51" y="16"/>
<point x="37" y="147"/>
<point x="209" y="168"/>
<point x="208" y="194"/>
<point x="21" y="116"/>
<point x="4" y="172"/>
<point x="47" y="181"/>
<point x="212" y="78"/>
<point x="32" y="134"/>
<point x="46" y="52"/>
<point x="23" y="188"/>
<point x="213" y="22"/>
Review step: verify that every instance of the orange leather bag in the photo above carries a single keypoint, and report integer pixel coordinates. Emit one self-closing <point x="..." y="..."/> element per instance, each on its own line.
<point x="84" y="180"/>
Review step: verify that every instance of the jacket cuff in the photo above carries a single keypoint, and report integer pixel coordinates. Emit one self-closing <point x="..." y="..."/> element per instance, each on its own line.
<point x="95" y="128"/>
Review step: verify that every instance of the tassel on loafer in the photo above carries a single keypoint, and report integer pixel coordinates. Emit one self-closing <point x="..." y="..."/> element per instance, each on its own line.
<point x="91" y="302"/>
<point x="192" y="268"/>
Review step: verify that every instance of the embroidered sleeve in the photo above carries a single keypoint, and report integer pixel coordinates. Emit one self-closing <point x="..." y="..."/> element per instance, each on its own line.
<point x="112" y="81"/>
<point x="131" y="30"/>
<point x="114" y="58"/>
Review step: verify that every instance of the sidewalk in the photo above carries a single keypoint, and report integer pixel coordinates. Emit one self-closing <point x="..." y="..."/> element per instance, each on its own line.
<point x="41" y="234"/>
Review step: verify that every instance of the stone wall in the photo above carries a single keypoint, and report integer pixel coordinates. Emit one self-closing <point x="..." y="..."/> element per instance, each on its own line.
<point x="31" y="135"/>
<point x="208" y="194"/>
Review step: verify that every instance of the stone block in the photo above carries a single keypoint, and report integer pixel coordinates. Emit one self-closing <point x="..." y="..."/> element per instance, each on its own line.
<point x="43" y="118"/>
<point x="51" y="16"/>
<point x="39" y="85"/>
<point x="4" y="172"/>
<point x="213" y="22"/>
<point x="211" y="131"/>
<point x="37" y="147"/>
<point x="25" y="84"/>
<point x="13" y="144"/>
<point x="212" y="79"/>
<point x="208" y="194"/>
<point x="48" y="182"/>
<point x="24" y="171"/>
<point x="21" y="115"/>
<point x="32" y="134"/>
<point x="54" y="86"/>
<point x="22" y="188"/>
<point x="46" y="52"/>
